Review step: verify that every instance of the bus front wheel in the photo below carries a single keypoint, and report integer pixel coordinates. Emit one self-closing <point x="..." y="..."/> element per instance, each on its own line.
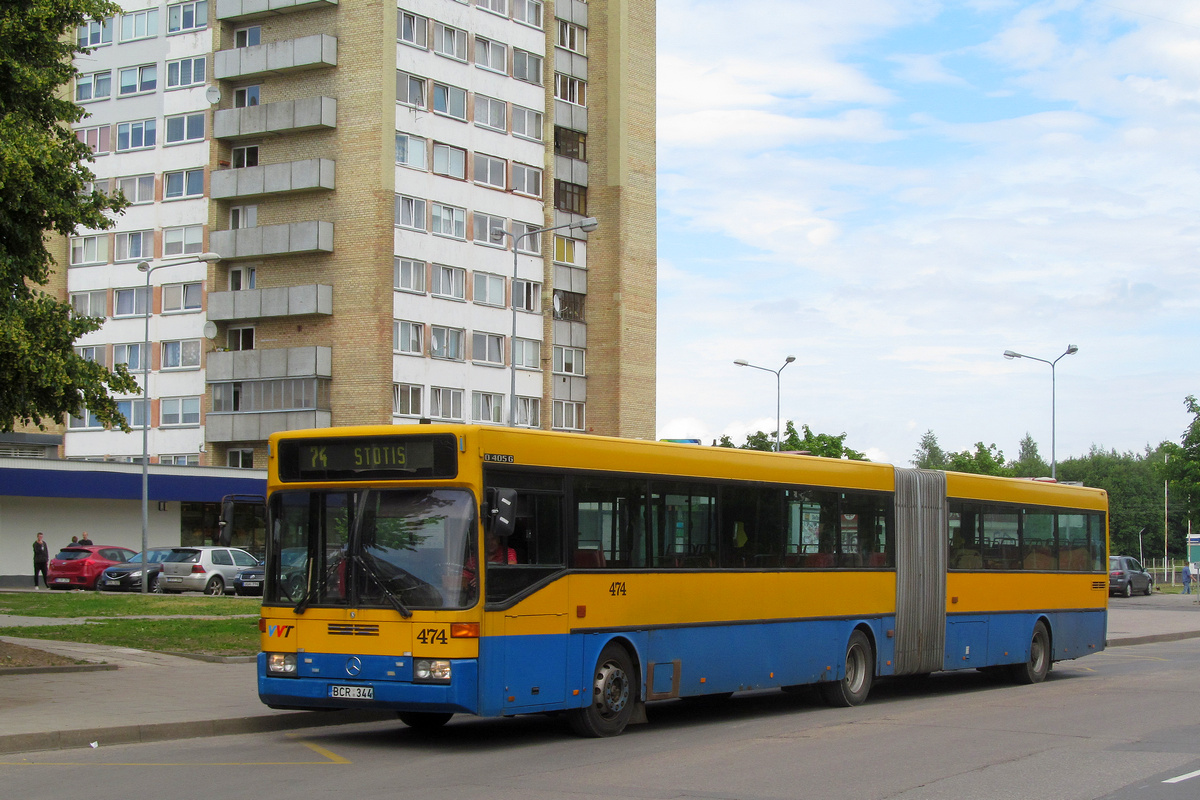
<point x="614" y="694"/>
<point x="1035" y="668"/>
<point x="858" y="676"/>
<point x="424" y="720"/>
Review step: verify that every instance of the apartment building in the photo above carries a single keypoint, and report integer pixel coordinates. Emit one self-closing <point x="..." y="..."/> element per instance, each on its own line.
<point x="364" y="180"/>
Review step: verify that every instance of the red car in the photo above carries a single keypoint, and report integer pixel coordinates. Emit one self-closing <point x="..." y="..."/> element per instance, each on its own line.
<point x="78" y="567"/>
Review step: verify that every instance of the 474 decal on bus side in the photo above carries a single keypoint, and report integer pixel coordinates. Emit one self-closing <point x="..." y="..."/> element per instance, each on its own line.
<point x="432" y="636"/>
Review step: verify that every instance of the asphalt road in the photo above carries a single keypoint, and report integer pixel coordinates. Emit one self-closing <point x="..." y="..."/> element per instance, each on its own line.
<point x="1113" y="725"/>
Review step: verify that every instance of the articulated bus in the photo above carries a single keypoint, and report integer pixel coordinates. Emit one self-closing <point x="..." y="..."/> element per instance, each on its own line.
<point x="453" y="569"/>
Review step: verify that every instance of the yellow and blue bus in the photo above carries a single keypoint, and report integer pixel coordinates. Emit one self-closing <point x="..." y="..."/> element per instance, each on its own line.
<point x="453" y="569"/>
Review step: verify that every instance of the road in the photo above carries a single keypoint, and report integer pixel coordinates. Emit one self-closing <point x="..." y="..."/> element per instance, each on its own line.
<point x="1113" y="725"/>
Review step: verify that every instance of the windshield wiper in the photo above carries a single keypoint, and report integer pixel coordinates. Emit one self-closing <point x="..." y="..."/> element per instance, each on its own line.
<point x="395" y="601"/>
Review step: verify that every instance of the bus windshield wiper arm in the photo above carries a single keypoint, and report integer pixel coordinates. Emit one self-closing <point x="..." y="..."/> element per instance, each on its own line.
<point x="395" y="601"/>
<point x="302" y="604"/>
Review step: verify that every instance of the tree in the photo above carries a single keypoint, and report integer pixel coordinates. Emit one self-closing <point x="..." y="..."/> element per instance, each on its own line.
<point x="44" y="189"/>
<point x="1183" y="461"/>
<point x="983" y="460"/>
<point x="1134" y="486"/>
<point x="1029" y="463"/>
<point x="817" y="444"/>
<point x="929" y="454"/>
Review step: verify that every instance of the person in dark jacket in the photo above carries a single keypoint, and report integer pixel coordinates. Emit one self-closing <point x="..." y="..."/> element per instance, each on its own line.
<point x="41" y="557"/>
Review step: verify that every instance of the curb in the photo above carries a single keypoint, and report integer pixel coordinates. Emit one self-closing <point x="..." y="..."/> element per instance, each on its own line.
<point x="52" y="670"/>
<point x="1158" y="637"/>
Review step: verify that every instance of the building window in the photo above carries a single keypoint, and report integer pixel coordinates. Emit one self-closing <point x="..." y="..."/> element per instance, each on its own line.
<point x="488" y="290"/>
<point x="528" y="12"/>
<point x="185" y="128"/>
<point x="88" y="420"/>
<point x="243" y="217"/>
<point x="183" y="241"/>
<point x="136" y="135"/>
<point x="529" y="412"/>
<point x="137" y="189"/>
<point x="248" y="37"/>
<point x="410" y="89"/>
<point x="491" y="55"/>
<point x="409" y="275"/>
<point x="139" y="25"/>
<point x="490" y="171"/>
<point x="572" y="37"/>
<point x="527" y="241"/>
<point x="450" y="161"/>
<point x="135" y="412"/>
<point x="187" y="16"/>
<point x="238" y="339"/>
<point x="488" y="229"/>
<point x="244" y="97"/>
<point x="92" y="353"/>
<point x="570" y="251"/>
<point x="188" y="183"/>
<point x="240" y="458"/>
<point x="284" y="394"/>
<point x="487" y="348"/>
<point x="95" y="86"/>
<point x="450" y="101"/>
<point x="527" y="123"/>
<point x="449" y="42"/>
<point x="527" y="66"/>
<point x="89" y="249"/>
<point x="526" y="180"/>
<point x="495" y="6"/>
<point x="245" y="157"/>
<point x="95" y="32"/>
<point x="179" y="411"/>
<point x="410" y="151"/>
<point x="130" y="355"/>
<point x="449" y="221"/>
<point x="490" y="113"/>
<point x="568" y="416"/>
<point x="568" y="306"/>
<point x="570" y="90"/>
<point x="185" y="72"/>
<point x="138" y="79"/>
<point x="527" y="354"/>
<point x="447" y="343"/>
<point x="89" y="304"/>
<point x="95" y="138"/>
<point x="134" y="245"/>
<point x="408" y="337"/>
<point x="569" y="143"/>
<point x="182" y="354"/>
<point x="412" y="29"/>
<point x="406" y="399"/>
<point x="570" y="197"/>
<point x="410" y="213"/>
<point x="181" y="297"/>
<point x="448" y="282"/>
<point x="445" y="403"/>
<point x="568" y="360"/>
<point x="188" y="460"/>
<point x="241" y="278"/>
<point x="527" y="295"/>
<point x="487" y="407"/>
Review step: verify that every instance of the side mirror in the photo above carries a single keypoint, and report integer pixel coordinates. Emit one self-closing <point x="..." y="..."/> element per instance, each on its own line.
<point x="501" y="516"/>
<point x="225" y="526"/>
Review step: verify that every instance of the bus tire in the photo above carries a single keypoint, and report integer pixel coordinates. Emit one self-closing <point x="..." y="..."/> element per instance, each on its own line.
<point x="614" y="695"/>
<point x="1038" y="664"/>
<point x="424" y="720"/>
<point x="857" y="677"/>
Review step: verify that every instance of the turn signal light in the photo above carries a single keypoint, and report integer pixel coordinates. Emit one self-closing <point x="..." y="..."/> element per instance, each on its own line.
<point x="464" y="630"/>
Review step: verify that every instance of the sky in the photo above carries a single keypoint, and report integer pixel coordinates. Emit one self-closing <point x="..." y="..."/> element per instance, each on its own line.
<point x="895" y="192"/>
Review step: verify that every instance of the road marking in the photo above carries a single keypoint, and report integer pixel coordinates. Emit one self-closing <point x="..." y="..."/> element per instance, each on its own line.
<point x="1182" y="778"/>
<point x="328" y="758"/>
<point x="334" y="758"/>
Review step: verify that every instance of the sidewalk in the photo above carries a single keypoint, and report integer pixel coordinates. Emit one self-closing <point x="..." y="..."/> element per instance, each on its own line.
<point x="153" y="697"/>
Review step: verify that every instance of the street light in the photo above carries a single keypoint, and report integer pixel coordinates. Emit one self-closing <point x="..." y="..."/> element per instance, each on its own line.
<point x="587" y="225"/>
<point x="741" y="362"/>
<point x="144" y="266"/>
<point x="1071" y="350"/>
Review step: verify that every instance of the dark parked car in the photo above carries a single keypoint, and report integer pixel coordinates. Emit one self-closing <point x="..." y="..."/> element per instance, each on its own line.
<point x="1126" y="576"/>
<point x="79" y="566"/>
<point x="249" y="581"/>
<point x="127" y="577"/>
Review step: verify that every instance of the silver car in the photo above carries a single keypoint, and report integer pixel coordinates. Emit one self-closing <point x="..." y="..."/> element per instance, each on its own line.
<point x="203" y="569"/>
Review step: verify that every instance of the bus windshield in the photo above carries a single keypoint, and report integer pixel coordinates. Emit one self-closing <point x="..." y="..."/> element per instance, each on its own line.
<point x="398" y="548"/>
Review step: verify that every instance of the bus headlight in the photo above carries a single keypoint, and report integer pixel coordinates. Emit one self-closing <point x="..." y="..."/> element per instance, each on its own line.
<point x="281" y="663"/>
<point x="429" y="670"/>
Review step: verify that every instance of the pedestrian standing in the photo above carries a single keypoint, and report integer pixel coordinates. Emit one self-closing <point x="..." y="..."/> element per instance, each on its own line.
<point x="41" y="557"/>
<point x="1187" y="578"/>
<point x="86" y="540"/>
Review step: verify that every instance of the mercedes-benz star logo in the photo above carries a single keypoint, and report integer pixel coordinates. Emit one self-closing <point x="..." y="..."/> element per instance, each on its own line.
<point x="353" y="666"/>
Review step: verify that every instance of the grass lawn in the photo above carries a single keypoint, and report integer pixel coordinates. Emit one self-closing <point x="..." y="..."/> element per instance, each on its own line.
<point x="121" y="604"/>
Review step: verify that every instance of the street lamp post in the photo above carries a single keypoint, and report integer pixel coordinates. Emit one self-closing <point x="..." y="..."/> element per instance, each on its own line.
<point x="741" y="362"/>
<point x="587" y="225"/>
<point x="1071" y="350"/>
<point x="144" y="266"/>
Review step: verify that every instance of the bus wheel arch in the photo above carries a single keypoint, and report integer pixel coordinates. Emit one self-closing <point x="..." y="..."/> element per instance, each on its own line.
<point x="1041" y="655"/>
<point x="858" y="671"/>
<point x="615" y="687"/>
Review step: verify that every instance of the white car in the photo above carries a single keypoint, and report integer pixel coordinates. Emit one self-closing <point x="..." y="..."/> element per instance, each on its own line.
<point x="203" y="569"/>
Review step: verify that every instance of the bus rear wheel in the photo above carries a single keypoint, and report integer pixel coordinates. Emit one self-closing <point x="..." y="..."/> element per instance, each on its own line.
<point x="424" y="720"/>
<point x="614" y="693"/>
<point x="858" y="675"/>
<point x="1035" y="668"/>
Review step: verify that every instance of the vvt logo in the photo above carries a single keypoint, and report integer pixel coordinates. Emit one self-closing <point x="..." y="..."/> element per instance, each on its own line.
<point x="282" y="631"/>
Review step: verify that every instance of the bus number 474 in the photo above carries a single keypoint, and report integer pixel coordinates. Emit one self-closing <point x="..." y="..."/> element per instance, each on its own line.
<point x="432" y="636"/>
<point x="617" y="589"/>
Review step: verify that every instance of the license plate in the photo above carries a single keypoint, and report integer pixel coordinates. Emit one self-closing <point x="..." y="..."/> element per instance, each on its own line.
<point x="112" y="582"/>
<point x="174" y="580"/>
<point x="250" y="583"/>
<point x="352" y="692"/>
<point x="62" y="580"/>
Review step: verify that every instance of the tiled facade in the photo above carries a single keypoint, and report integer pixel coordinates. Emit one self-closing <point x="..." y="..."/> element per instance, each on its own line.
<point x="364" y="173"/>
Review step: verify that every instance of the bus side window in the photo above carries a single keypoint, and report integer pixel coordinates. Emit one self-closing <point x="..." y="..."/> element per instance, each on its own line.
<point x="610" y="524"/>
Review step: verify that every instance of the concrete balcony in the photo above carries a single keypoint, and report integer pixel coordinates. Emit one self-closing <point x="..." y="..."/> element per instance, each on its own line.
<point x="283" y="301"/>
<point x="312" y="174"/>
<point x="318" y="51"/>
<point x="257" y="426"/>
<point x="288" y="116"/>
<point x="273" y="240"/>
<point x="277" y="362"/>
<point x="238" y="10"/>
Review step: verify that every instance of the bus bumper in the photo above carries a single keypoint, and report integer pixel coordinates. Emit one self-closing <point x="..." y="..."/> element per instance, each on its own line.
<point x="315" y="690"/>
